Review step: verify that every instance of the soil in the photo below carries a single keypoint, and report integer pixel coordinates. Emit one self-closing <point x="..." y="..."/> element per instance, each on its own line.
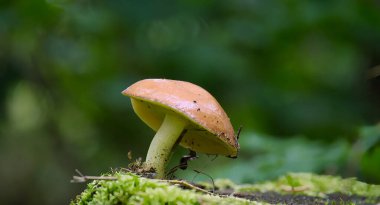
<point x="277" y="198"/>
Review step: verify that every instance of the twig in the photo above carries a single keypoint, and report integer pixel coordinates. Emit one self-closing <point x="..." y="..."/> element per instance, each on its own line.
<point x="185" y="184"/>
<point x="82" y="178"/>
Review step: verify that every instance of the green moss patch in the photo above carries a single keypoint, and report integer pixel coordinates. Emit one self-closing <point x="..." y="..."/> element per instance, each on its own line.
<point x="305" y="188"/>
<point x="293" y="188"/>
<point x="132" y="189"/>
<point x="313" y="185"/>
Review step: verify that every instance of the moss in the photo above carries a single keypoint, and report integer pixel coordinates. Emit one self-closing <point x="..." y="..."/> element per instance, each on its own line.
<point x="132" y="189"/>
<point x="313" y="185"/>
<point x="129" y="188"/>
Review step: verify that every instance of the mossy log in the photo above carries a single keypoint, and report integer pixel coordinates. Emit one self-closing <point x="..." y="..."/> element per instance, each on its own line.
<point x="293" y="188"/>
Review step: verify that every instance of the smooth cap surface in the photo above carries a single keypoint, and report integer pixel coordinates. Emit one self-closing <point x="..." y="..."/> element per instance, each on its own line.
<point x="209" y="129"/>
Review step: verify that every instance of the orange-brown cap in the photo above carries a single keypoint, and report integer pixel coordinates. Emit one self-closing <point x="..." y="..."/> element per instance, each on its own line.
<point x="209" y="129"/>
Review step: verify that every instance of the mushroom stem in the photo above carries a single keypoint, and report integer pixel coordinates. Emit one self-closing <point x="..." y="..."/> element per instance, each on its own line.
<point x="163" y="142"/>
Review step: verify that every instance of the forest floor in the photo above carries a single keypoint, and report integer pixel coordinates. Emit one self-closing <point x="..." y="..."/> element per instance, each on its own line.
<point x="333" y="198"/>
<point x="293" y="188"/>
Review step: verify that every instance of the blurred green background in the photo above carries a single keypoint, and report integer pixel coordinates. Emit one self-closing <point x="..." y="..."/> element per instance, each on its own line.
<point x="301" y="77"/>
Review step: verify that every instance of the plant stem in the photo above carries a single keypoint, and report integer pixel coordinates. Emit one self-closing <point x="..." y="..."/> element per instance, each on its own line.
<point x="163" y="142"/>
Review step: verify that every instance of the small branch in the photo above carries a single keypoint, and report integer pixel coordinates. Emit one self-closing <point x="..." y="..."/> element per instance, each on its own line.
<point x="185" y="184"/>
<point x="82" y="178"/>
<point x="79" y="179"/>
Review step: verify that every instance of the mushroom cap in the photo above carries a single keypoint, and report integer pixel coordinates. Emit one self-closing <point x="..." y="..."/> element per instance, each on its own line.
<point x="208" y="130"/>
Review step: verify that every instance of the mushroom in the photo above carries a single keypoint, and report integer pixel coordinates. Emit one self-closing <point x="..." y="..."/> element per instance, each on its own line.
<point x="181" y="113"/>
